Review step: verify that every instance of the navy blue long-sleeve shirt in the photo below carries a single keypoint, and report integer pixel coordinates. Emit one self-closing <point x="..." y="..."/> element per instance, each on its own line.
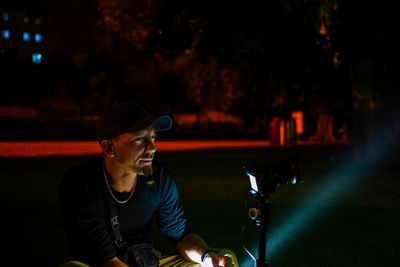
<point x="86" y="214"/>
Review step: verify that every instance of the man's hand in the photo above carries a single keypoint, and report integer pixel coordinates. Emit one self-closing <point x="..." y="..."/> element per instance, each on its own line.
<point x="220" y="257"/>
<point x="193" y="248"/>
<point x="211" y="260"/>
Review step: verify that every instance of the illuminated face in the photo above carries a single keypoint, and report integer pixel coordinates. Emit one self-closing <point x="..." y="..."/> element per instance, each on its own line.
<point x="135" y="151"/>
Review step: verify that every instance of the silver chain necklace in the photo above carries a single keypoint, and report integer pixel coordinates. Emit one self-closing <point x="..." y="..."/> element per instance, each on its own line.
<point x="109" y="188"/>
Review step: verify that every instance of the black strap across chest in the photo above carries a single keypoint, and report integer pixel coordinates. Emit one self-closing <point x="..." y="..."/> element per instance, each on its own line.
<point x="114" y="221"/>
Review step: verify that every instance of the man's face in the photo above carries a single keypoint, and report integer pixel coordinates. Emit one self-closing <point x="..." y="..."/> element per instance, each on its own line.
<point x="135" y="151"/>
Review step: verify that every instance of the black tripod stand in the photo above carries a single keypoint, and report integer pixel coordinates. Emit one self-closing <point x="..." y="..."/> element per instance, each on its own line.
<point x="261" y="215"/>
<point x="264" y="181"/>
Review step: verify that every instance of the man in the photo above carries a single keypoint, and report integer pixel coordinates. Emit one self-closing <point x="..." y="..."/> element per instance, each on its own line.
<point x="108" y="203"/>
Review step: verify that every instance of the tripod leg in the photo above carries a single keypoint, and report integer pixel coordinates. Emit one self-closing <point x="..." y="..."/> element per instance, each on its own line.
<point x="263" y="205"/>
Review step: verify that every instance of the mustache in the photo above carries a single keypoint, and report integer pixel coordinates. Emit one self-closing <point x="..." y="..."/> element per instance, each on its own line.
<point x="150" y="156"/>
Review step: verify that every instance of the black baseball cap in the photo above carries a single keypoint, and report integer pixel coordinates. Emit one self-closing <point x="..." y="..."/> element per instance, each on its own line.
<point x="129" y="116"/>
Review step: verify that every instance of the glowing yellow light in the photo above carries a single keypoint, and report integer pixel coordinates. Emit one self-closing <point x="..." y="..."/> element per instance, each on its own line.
<point x="322" y="29"/>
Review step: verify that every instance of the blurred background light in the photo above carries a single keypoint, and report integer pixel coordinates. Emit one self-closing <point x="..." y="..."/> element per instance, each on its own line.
<point x="5" y="16"/>
<point x="37" y="58"/>
<point x="38" y="37"/>
<point x="26" y="36"/>
<point x="6" y="34"/>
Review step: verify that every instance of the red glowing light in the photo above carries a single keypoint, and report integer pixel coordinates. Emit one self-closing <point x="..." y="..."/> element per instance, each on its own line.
<point x="74" y="148"/>
<point x="282" y="133"/>
<point x="298" y="118"/>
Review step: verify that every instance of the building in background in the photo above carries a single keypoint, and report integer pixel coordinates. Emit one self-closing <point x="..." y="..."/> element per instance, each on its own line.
<point x="22" y="36"/>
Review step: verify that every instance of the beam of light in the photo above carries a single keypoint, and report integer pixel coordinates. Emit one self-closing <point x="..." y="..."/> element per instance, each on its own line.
<point x="309" y="208"/>
<point x="337" y="185"/>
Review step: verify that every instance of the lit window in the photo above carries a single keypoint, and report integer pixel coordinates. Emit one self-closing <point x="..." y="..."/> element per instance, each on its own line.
<point x="26" y="36"/>
<point x="26" y="19"/>
<point x="38" y="37"/>
<point x="38" y="21"/>
<point x="6" y="34"/>
<point x="37" y="58"/>
<point x="5" y="16"/>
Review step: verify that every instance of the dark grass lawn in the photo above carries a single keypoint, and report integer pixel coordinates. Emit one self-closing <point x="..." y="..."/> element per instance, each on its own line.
<point x="341" y="215"/>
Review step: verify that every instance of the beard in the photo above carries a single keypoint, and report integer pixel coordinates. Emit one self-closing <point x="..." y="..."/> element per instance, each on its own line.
<point x="146" y="170"/>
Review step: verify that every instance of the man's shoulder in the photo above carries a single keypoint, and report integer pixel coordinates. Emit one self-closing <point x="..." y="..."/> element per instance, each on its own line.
<point x="162" y="176"/>
<point x="84" y="171"/>
<point x="81" y="185"/>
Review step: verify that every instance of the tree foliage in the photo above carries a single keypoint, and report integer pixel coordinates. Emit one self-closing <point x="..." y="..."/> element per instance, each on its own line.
<point x="222" y="50"/>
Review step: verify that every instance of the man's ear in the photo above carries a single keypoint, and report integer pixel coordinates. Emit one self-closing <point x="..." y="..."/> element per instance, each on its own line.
<point x="108" y="148"/>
